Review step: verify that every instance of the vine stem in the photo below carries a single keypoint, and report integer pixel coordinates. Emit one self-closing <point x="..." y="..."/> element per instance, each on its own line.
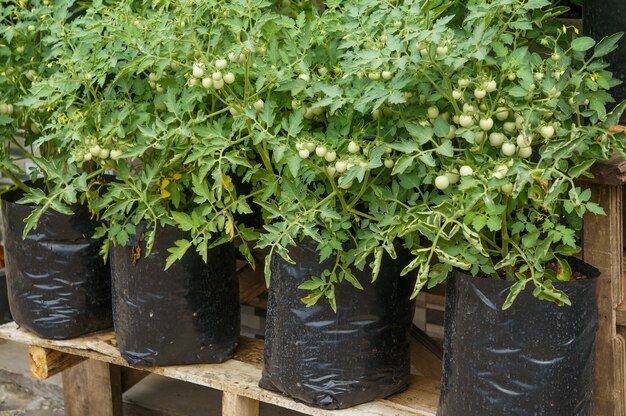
<point x="505" y="234"/>
<point x="16" y="181"/>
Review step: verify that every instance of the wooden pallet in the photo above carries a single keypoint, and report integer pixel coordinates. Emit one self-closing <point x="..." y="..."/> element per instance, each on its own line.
<point x="92" y="373"/>
<point x="603" y="245"/>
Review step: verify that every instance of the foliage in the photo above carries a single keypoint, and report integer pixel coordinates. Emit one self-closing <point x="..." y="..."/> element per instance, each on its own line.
<point x="456" y="129"/>
<point x="24" y="59"/>
<point x="459" y="129"/>
<point x="164" y="95"/>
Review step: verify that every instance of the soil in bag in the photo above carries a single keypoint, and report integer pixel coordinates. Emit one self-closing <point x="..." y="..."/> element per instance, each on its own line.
<point x="188" y="314"/>
<point x="535" y="358"/>
<point x="58" y="285"/>
<point x="330" y="360"/>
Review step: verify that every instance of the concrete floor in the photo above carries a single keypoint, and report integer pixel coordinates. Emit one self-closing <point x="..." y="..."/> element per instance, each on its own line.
<point x="154" y="396"/>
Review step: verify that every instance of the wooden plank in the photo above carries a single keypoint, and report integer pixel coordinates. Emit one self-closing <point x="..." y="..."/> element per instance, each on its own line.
<point x="234" y="405"/>
<point x="45" y="362"/>
<point x="619" y="349"/>
<point x="602" y="247"/>
<point x="240" y="377"/>
<point x="251" y="283"/>
<point x="620" y="316"/>
<point x="426" y="354"/>
<point x="92" y="388"/>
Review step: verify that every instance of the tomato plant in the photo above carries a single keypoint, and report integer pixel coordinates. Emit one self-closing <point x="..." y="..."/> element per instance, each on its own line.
<point x="455" y="129"/>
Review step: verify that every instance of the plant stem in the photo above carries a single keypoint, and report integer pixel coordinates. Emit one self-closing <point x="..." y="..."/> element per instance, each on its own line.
<point x="16" y="181"/>
<point x="505" y="235"/>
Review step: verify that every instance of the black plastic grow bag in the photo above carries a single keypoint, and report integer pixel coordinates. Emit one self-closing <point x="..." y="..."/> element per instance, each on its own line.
<point x="338" y="360"/>
<point x="603" y="18"/>
<point x="58" y="285"/>
<point x="535" y="358"/>
<point x="188" y="314"/>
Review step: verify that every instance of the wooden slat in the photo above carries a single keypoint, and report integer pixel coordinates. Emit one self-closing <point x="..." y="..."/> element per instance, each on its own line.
<point x="45" y="362"/>
<point x="234" y="405"/>
<point x="620" y="312"/>
<point x="92" y="388"/>
<point x="251" y="283"/>
<point x="620" y="317"/>
<point x="239" y="376"/>
<point x="426" y="354"/>
<point x="602" y="247"/>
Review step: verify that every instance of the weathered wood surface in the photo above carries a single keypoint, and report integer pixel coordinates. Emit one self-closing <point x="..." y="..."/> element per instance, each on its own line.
<point x="602" y="247"/>
<point x="426" y="354"/>
<point x="233" y="405"/>
<point x="239" y="376"/>
<point x="609" y="172"/>
<point x="92" y="388"/>
<point x="45" y="362"/>
<point x="620" y="312"/>
<point x="251" y="284"/>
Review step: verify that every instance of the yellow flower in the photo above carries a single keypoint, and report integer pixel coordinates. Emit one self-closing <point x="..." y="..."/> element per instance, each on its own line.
<point x="164" y="192"/>
<point x="177" y="176"/>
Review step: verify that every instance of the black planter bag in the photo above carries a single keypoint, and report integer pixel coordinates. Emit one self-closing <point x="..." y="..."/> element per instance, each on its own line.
<point x="535" y="358"/>
<point x="58" y="285"/>
<point x="603" y="18"/>
<point x="338" y="360"/>
<point x="188" y="314"/>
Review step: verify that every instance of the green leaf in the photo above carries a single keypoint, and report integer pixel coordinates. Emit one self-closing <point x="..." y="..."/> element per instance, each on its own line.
<point x="421" y="133"/>
<point x="581" y="168"/>
<point x="378" y="260"/>
<point x="494" y="223"/>
<point x="177" y="252"/>
<point x="294" y="161"/>
<point x="353" y="280"/>
<point x="405" y="146"/>
<point x="442" y="128"/>
<point x="614" y="116"/>
<point x="607" y="45"/>
<point x="565" y="271"/>
<point x="312" y="284"/>
<point x="183" y="220"/>
<point x="595" y="208"/>
<point x="445" y="149"/>
<point x="479" y="222"/>
<point x="516" y="289"/>
<point x="583" y="43"/>
<point x="518" y="92"/>
<point x="403" y="163"/>
<point x="5" y="120"/>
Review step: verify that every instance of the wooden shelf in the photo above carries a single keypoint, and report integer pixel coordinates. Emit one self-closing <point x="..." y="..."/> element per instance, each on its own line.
<point x="237" y="378"/>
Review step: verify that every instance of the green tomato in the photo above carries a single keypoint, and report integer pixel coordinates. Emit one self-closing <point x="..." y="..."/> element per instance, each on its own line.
<point x="442" y="182"/>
